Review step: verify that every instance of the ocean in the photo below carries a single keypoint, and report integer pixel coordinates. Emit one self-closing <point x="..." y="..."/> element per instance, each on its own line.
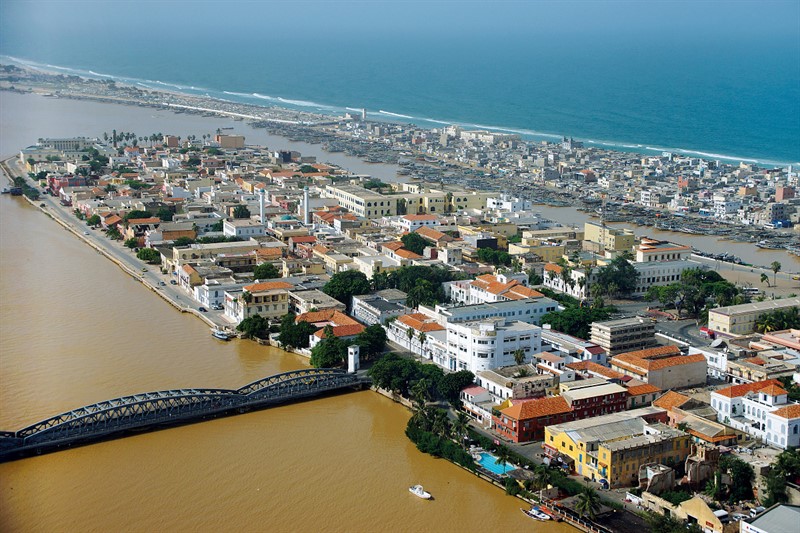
<point x="693" y="97"/>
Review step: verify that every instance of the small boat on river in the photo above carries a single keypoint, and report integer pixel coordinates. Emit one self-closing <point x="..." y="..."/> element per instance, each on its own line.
<point x="417" y="490"/>
<point x="220" y="334"/>
<point x="535" y="513"/>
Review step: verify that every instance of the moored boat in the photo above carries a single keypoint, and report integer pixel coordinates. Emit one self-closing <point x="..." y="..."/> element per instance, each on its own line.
<point x="220" y="334"/>
<point x="417" y="490"/>
<point x="535" y="513"/>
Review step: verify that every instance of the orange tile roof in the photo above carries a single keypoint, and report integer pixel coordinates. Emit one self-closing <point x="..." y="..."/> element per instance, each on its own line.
<point x="412" y="218"/>
<point x="113" y="219"/>
<point x="773" y="390"/>
<point x="788" y="412"/>
<point x="652" y="353"/>
<point x="754" y="361"/>
<point x="151" y="220"/>
<point x="420" y="322"/>
<point x="520" y="292"/>
<point x="737" y="391"/>
<point x="552" y="405"/>
<point x="333" y="316"/>
<point x="407" y="254"/>
<point x="580" y="365"/>
<point x="670" y="399"/>
<point x="348" y="330"/>
<point x="270" y="252"/>
<point x="638" y="390"/>
<point x="433" y="234"/>
<point x="393" y="246"/>
<point x="268" y="286"/>
<point x="553" y="267"/>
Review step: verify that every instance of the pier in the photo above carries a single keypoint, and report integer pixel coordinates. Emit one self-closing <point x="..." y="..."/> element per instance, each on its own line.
<point x="162" y="409"/>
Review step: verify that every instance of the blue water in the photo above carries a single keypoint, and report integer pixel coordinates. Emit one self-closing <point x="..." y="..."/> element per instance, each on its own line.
<point x="489" y="462"/>
<point x="725" y="100"/>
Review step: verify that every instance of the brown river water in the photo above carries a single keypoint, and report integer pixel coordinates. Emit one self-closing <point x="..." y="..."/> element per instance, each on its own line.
<point x="74" y="329"/>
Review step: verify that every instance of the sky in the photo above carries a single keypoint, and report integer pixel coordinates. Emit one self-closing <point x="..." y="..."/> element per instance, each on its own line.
<point x="110" y="22"/>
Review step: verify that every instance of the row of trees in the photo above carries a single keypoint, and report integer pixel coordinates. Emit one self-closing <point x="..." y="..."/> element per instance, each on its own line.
<point x="422" y="284"/>
<point x="418" y="381"/>
<point x="778" y="320"/>
<point x="697" y="291"/>
<point x="494" y="257"/>
<point x="786" y="467"/>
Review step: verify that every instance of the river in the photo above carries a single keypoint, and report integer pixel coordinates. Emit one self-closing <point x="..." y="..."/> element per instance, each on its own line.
<point x="74" y="329"/>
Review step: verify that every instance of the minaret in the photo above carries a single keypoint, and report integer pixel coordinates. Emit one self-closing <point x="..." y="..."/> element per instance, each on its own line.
<point x="306" y="210"/>
<point x="261" y="204"/>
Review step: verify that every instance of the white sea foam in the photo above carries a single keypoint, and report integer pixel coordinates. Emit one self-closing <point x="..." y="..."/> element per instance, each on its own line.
<point x="398" y="115"/>
<point x="101" y="75"/>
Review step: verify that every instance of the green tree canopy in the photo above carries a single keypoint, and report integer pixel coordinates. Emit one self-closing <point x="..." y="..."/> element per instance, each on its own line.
<point x="343" y="285"/>
<point x="254" y="326"/>
<point x="576" y="321"/>
<point x="93" y="220"/>
<point x="241" y="211"/>
<point x="136" y="213"/>
<point x="266" y="271"/>
<point x="617" y="277"/>
<point x="131" y="243"/>
<point x="183" y="241"/>
<point x="149" y="255"/>
<point x="295" y="334"/>
<point x="372" y="341"/>
<point x="330" y="352"/>
<point x="165" y="214"/>
<point x="414" y="242"/>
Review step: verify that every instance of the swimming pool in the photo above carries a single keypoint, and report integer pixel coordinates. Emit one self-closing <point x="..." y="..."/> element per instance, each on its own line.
<point x="489" y="462"/>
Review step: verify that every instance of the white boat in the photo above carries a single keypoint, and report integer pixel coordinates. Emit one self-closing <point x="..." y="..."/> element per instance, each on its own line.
<point x="220" y="334"/>
<point x="535" y="513"/>
<point x="417" y="490"/>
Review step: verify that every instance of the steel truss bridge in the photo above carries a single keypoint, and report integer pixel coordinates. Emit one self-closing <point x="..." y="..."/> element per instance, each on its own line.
<point x="150" y="410"/>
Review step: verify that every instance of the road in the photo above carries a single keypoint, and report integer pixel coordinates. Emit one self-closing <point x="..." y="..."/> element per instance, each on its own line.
<point x="150" y="275"/>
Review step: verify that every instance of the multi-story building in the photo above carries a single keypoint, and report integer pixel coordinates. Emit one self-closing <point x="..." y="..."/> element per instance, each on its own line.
<point x="624" y="334"/>
<point x="525" y="421"/>
<point x="379" y="307"/>
<point x="244" y="228"/>
<point x="595" y="400"/>
<point x="304" y="301"/>
<point x="777" y="519"/>
<point x="613" y="447"/>
<point x="529" y="310"/>
<point x="487" y="344"/>
<point x="573" y="348"/>
<point x="515" y="382"/>
<point x="269" y="299"/>
<point x="760" y="409"/>
<point x="741" y="319"/>
<point x="654" y="250"/>
<point x="607" y="238"/>
<point x="362" y="202"/>
<point x="490" y="288"/>
<point x="665" y="367"/>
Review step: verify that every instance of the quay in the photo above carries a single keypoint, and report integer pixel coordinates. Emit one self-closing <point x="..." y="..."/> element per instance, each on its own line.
<point x="152" y="411"/>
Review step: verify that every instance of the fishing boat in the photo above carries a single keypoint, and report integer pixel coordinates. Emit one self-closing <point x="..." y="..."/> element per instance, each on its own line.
<point x="417" y="490"/>
<point x="220" y="334"/>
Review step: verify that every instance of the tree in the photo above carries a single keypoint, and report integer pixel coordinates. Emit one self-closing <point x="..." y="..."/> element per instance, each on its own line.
<point x="786" y="467"/>
<point x="165" y="214"/>
<point x="93" y="220"/>
<point x="217" y="226"/>
<point x="131" y="243"/>
<point x="414" y="242"/>
<point x="503" y="457"/>
<point x="136" y="213"/>
<point x="765" y="279"/>
<point x="183" y="241"/>
<point x="775" y="266"/>
<point x="241" y="211"/>
<point x="421" y="294"/>
<point x="588" y="503"/>
<point x="294" y="334"/>
<point x="330" y="352"/>
<point x="619" y="276"/>
<point x="379" y="281"/>
<point x="254" y="326"/>
<point x="343" y="285"/>
<point x="114" y="234"/>
<point x="266" y="271"/>
<point x="372" y="341"/>
<point x="149" y="255"/>
<point x="519" y="356"/>
<point x="450" y="385"/>
<point x="421" y="393"/>
<point x="460" y="428"/>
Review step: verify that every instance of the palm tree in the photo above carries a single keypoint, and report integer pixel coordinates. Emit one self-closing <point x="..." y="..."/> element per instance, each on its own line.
<point x="588" y="503"/>
<point x="441" y="424"/>
<point x="410" y="335"/>
<point x="519" y="356"/>
<point x="775" y="267"/>
<point x="503" y="457"/>
<point x="542" y="477"/>
<point x="421" y="393"/>
<point x="765" y="279"/>
<point x="460" y="426"/>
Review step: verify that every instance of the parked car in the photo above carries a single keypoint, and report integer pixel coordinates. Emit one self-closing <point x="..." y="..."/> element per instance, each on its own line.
<point x="203" y="310"/>
<point x="173" y="282"/>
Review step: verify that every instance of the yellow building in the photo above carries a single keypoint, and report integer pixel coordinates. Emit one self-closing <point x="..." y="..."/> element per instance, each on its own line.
<point x="613" y="447"/>
<point x="741" y="319"/>
<point x="549" y="253"/>
<point x="269" y="299"/>
<point x="618" y="240"/>
<point x="362" y="202"/>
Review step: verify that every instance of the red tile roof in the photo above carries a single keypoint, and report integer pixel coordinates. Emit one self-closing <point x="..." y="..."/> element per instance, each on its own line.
<point x="738" y="391"/>
<point x="412" y="218"/>
<point x="773" y="390"/>
<point x="420" y="322"/>
<point x="638" y="390"/>
<point x="268" y="286"/>
<point x="537" y="408"/>
<point x="788" y="412"/>
<point x="329" y="315"/>
<point x="670" y="399"/>
<point x="350" y="330"/>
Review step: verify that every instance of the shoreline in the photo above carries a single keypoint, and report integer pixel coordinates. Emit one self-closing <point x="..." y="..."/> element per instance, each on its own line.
<point x="328" y="111"/>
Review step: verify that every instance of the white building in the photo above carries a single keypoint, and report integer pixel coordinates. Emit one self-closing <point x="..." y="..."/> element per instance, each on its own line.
<point x="411" y="223"/>
<point x="487" y="344"/>
<point x="244" y="228"/>
<point x="717" y="360"/>
<point x="572" y="348"/>
<point x="508" y="203"/>
<point x="760" y="409"/>
<point x="724" y="207"/>
<point x="489" y="288"/>
<point x="530" y="310"/>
